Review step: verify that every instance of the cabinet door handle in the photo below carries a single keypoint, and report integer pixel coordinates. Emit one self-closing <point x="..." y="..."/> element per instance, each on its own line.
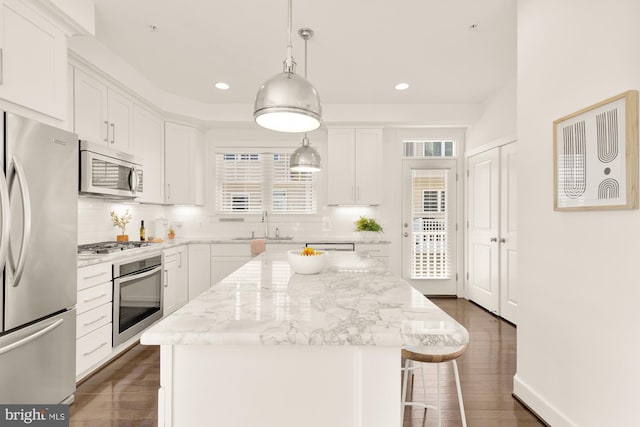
<point x="168" y="191"/>
<point x="94" y="298"/>
<point x="357" y="193"/>
<point x="166" y="278"/>
<point x="95" y="349"/>
<point x="503" y="240"/>
<point x="113" y="133"/>
<point x="106" y="125"/>
<point x="493" y="239"/>
<point x="94" y="275"/>
<point x="94" y="321"/>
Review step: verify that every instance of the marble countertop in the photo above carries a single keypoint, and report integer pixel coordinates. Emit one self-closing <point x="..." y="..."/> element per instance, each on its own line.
<point x="353" y="301"/>
<point x="85" y="260"/>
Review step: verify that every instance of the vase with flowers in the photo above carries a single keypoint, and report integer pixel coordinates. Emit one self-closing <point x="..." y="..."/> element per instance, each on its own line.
<point x="121" y="222"/>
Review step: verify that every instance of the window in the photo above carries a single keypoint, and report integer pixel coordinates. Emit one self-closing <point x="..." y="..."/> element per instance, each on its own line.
<point x="433" y="200"/>
<point x="430" y="254"/>
<point x="417" y="148"/>
<point x="254" y="182"/>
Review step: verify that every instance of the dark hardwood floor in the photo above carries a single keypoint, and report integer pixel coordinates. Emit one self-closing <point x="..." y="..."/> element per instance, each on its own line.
<point x="124" y="393"/>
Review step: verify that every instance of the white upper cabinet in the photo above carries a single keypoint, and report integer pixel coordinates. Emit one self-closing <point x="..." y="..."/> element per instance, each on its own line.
<point x="148" y="143"/>
<point x="354" y="166"/>
<point x="102" y="114"/>
<point x="33" y="60"/>
<point x="184" y="165"/>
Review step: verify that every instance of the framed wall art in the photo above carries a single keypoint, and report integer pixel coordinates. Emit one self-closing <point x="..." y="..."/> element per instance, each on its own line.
<point x="595" y="153"/>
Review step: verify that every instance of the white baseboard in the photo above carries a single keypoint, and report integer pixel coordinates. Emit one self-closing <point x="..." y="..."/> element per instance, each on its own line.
<point x="536" y="403"/>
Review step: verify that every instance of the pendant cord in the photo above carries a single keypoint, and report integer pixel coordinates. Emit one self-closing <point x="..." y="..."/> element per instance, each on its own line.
<point x="290" y="45"/>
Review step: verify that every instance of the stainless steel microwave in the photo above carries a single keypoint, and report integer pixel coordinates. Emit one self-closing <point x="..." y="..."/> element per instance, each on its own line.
<point x="105" y="172"/>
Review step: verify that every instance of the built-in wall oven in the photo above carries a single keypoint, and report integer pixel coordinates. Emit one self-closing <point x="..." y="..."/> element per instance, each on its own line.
<point x="137" y="296"/>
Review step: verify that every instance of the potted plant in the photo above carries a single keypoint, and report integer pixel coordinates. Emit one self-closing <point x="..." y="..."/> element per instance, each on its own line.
<point x="367" y="227"/>
<point x="121" y="221"/>
<point x="172" y="233"/>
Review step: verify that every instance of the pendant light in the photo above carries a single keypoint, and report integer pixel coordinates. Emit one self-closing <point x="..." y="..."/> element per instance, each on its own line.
<point x="305" y="158"/>
<point x="287" y="102"/>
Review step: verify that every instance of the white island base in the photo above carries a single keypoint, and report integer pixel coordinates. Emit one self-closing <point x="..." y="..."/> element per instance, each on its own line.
<point x="279" y="386"/>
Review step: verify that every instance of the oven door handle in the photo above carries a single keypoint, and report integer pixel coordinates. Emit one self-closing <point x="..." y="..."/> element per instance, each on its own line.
<point x="140" y="275"/>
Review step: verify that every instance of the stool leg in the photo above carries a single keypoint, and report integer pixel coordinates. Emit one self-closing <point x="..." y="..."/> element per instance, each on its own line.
<point x="459" y="390"/>
<point x="405" y="376"/>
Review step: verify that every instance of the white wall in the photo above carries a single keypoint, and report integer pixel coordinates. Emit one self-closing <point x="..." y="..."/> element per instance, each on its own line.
<point x="578" y="329"/>
<point x="497" y="122"/>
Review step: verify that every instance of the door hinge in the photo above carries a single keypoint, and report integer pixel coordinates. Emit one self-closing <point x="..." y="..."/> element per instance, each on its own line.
<point x="456" y="226"/>
<point x="467" y="275"/>
<point x="467" y="224"/>
<point x="456" y="277"/>
<point x="467" y="173"/>
<point x="456" y="176"/>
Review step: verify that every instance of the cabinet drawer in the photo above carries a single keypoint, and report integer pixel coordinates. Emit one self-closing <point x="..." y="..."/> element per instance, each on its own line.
<point x="93" y="274"/>
<point x="93" y="319"/>
<point x="92" y="348"/>
<point x="94" y="297"/>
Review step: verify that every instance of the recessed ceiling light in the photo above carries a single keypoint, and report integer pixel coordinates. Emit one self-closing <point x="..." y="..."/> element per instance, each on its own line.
<point x="402" y="86"/>
<point x="222" y="86"/>
<point x="473" y="27"/>
<point x="153" y="28"/>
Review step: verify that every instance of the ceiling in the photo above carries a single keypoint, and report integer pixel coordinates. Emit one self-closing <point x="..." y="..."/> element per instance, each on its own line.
<point x="360" y="50"/>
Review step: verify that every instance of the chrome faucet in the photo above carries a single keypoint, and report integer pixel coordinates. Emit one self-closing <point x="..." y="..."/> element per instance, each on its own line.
<point x="265" y="219"/>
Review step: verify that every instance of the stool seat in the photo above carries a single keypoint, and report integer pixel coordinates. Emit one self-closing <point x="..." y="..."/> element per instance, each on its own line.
<point x="431" y="355"/>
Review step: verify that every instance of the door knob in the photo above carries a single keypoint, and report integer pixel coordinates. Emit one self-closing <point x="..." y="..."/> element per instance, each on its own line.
<point x="503" y="240"/>
<point x="406" y="225"/>
<point x="493" y="239"/>
<point x="406" y="234"/>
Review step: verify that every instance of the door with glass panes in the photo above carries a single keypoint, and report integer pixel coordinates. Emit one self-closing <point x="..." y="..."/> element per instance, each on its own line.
<point x="429" y="239"/>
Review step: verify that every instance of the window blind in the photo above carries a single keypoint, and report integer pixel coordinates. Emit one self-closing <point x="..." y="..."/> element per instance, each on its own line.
<point x="253" y="182"/>
<point x="430" y="255"/>
<point x="239" y="182"/>
<point x="292" y="192"/>
<point x="421" y="148"/>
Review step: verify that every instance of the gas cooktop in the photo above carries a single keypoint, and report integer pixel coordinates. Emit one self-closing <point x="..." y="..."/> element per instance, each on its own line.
<point x="109" y="247"/>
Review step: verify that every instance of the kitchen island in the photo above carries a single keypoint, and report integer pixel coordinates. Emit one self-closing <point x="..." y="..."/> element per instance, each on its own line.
<point x="267" y="347"/>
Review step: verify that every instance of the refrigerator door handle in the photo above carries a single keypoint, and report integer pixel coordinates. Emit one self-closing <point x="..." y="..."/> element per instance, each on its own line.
<point x="28" y="339"/>
<point x="4" y="228"/>
<point x="16" y="171"/>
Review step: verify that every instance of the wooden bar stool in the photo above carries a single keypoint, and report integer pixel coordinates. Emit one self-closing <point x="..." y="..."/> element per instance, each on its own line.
<point x="431" y="355"/>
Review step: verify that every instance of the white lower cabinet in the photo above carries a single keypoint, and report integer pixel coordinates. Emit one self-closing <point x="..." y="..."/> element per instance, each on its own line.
<point x="93" y="347"/>
<point x="199" y="269"/>
<point x="94" y="316"/>
<point x="176" y="279"/>
<point x="227" y="258"/>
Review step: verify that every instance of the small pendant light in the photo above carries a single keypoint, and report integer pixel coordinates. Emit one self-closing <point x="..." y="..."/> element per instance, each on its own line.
<point x="287" y="102"/>
<point x="305" y="158"/>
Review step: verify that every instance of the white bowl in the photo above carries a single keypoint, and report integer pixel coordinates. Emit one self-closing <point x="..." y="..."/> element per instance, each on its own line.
<point x="306" y="264"/>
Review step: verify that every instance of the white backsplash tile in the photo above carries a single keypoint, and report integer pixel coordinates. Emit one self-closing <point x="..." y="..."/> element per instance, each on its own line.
<point x="95" y="225"/>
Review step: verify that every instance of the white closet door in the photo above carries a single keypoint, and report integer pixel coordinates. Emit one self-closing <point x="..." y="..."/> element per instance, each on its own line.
<point x="508" y="233"/>
<point x="483" y="228"/>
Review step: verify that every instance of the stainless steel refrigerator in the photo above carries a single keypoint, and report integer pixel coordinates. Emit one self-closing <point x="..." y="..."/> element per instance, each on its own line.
<point x="38" y="245"/>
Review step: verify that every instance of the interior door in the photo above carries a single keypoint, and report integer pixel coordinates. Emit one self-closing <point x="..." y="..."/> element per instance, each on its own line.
<point x="508" y="233"/>
<point x="429" y="251"/>
<point x="483" y="227"/>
